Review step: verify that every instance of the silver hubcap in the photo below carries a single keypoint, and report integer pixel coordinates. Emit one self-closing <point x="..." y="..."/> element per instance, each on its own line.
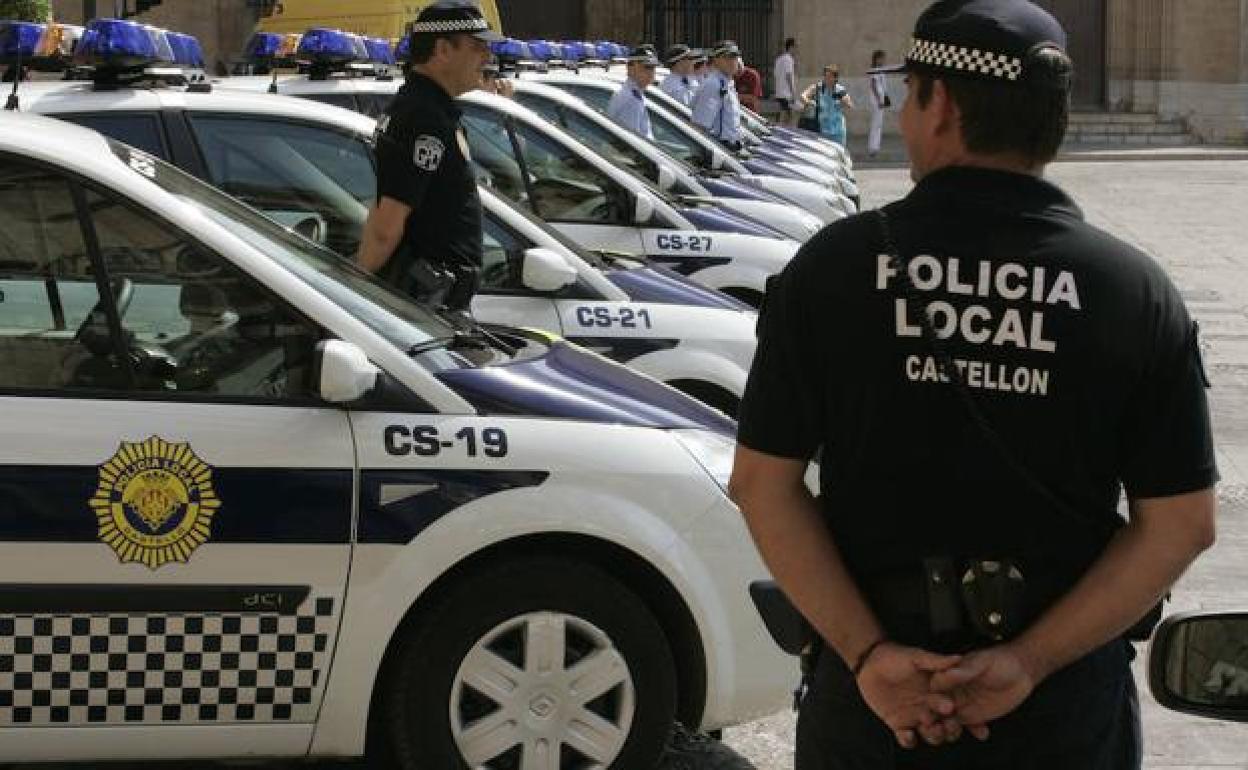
<point x="542" y="691"/>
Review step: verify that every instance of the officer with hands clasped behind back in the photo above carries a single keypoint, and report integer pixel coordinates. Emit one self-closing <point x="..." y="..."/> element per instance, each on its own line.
<point x="991" y="371"/>
<point x="716" y="106"/>
<point x="628" y="105"/>
<point x="680" y="84"/>
<point x="424" y="235"/>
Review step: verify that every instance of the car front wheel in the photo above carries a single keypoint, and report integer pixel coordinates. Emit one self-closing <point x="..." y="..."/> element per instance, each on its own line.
<point x="540" y="664"/>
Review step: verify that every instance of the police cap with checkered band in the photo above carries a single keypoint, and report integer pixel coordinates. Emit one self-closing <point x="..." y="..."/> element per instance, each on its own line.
<point x="1002" y="41"/>
<point x="451" y="17"/>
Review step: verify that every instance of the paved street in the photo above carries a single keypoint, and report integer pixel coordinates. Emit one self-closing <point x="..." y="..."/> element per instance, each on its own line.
<point x="1191" y="217"/>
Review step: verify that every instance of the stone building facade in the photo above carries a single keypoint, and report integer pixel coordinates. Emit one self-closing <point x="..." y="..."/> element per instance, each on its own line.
<point x="1177" y="59"/>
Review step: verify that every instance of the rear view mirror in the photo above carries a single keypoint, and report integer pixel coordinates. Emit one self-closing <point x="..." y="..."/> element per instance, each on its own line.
<point x="346" y="374"/>
<point x="545" y="271"/>
<point x="1198" y="664"/>
<point x="643" y="212"/>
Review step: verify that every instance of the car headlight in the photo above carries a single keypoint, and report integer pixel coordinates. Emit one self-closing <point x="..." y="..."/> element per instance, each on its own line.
<point x="713" y="451"/>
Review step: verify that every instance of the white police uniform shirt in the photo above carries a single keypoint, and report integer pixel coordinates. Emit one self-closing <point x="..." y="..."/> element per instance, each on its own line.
<point x="717" y="109"/>
<point x="628" y="108"/>
<point x="682" y="88"/>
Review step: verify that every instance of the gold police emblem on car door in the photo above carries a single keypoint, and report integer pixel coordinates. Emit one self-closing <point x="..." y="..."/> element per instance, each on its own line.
<point x="155" y="502"/>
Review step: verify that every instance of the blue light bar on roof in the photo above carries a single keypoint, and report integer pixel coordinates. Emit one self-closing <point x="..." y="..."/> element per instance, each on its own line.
<point x="186" y="50"/>
<point x="403" y="49"/>
<point x="379" y="50"/>
<point x="160" y="41"/>
<point x="19" y="39"/>
<point x="605" y="50"/>
<point x="511" y="50"/>
<point x="541" y="50"/>
<point x="328" y="46"/>
<point x="263" y="45"/>
<point x="577" y="51"/>
<point x="117" y="43"/>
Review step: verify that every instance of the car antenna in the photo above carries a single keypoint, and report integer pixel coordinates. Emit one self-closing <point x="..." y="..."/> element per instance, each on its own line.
<point x="14" y="104"/>
<point x="273" y="85"/>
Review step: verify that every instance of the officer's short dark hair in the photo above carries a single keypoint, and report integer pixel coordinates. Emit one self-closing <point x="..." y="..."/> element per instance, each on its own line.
<point x="1004" y="118"/>
<point x="789" y="42"/>
<point x="877" y="55"/>
<point x="423" y="46"/>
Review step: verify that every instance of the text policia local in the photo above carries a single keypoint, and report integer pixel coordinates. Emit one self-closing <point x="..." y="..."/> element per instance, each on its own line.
<point x="1013" y="327"/>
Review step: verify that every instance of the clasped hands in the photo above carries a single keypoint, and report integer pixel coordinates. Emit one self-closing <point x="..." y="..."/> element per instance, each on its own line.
<point x="924" y="695"/>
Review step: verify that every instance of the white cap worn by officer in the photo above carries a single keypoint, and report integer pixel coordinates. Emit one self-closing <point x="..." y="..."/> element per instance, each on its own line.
<point x="681" y="84"/>
<point x="628" y="106"/>
<point x="716" y="107"/>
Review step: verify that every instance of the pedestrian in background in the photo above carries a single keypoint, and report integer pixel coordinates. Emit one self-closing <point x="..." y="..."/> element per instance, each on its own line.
<point x="1011" y="371"/>
<point x="826" y="102"/>
<point x="680" y="83"/>
<point x="628" y="105"/>
<point x="879" y="103"/>
<point x="785" y="74"/>
<point x="749" y="85"/>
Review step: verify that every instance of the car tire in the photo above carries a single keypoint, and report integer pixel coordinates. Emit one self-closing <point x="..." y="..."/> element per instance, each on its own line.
<point x="495" y="629"/>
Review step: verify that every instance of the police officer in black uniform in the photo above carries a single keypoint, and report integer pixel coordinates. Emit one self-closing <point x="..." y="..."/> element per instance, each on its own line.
<point x="980" y="373"/>
<point x="424" y="235"/>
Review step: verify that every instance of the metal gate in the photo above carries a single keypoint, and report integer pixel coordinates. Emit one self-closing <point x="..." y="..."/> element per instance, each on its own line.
<point x="1085" y="25"/>
<point x="700" y="23"/>
<point x="547" y="20"/>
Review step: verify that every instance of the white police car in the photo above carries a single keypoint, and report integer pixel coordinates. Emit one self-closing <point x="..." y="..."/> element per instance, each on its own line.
<point x="682" y="138"/>
<point x="371" y="95"/>
<point x="629" y="150"/>
<point x="310" y="168"/>
<point x="602" y="207"/>
<point x="254" y="501"/>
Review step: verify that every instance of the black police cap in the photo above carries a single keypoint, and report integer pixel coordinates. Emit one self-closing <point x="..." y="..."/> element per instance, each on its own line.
<point x="644" y="54"/>
<point x="725" y="48"/>
<point x="995" y="40"/>
<point x="678" y="53"/>
<point x="451" y="17"/>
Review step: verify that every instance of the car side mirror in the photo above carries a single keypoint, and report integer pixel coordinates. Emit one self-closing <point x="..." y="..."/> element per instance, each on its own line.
<point x="545" y="271"/>
<point x="667" y="177"/>
<point x="643" y="210"/>
<point x="1198" y="664"/>
<point x="345" y="373"/>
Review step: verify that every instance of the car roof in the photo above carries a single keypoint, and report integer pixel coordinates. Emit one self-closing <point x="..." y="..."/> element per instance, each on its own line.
<point x="77" y="97"/>
<point x="43" y="138"/>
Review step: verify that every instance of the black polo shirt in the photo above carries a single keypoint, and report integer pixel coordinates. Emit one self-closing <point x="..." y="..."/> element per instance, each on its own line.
<point x="423" y="162"/>
<point x="1075" y="345"/>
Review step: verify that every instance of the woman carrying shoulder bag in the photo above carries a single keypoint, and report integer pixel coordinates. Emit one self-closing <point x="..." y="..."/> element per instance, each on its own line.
<point x="826" y="103"/>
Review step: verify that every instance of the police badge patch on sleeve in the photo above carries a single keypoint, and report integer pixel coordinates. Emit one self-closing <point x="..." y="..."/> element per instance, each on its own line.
<point x="428" y="153"/>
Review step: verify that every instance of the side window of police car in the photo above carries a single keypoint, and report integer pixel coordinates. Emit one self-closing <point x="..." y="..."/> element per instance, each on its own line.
<point x="194" y="325"/>
<point x="47" y="287"/>
<point x="315" y="180"/>
<point x="502" y="259"/>
<point x="563" y="186"/>
<point x="137" y="129"/>
<point x="600" y="139"/>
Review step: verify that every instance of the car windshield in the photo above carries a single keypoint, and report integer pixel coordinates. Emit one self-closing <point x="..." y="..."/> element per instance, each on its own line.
<point x="388" y="312"/>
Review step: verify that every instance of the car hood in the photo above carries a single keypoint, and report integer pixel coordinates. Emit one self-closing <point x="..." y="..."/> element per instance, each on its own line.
<point x="658" y="284"/>
<point x="572" y="383"/>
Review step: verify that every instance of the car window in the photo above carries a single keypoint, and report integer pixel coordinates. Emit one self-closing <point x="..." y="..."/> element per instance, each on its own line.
<point x="598" y="98"/>
<point x="493" y="157"/>
<point x="345" y="101"/>
<point x="194" y="324"/>
<point x="564" y="186"/>
<point x="600" y="139"/>
<point x="374" y="105"/>
<point x="317" y="181"/>
<point x="503" y="258"/>
<point x="47" y="287"/>
<point x="137" y="129"/>
<point x="676" y="142"/>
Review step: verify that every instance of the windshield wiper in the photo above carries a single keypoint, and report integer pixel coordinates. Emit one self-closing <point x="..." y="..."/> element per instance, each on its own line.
<point x="458" y="340"/>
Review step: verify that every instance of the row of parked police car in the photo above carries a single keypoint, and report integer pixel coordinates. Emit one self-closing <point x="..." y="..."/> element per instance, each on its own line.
<point x="255" y="503"/>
